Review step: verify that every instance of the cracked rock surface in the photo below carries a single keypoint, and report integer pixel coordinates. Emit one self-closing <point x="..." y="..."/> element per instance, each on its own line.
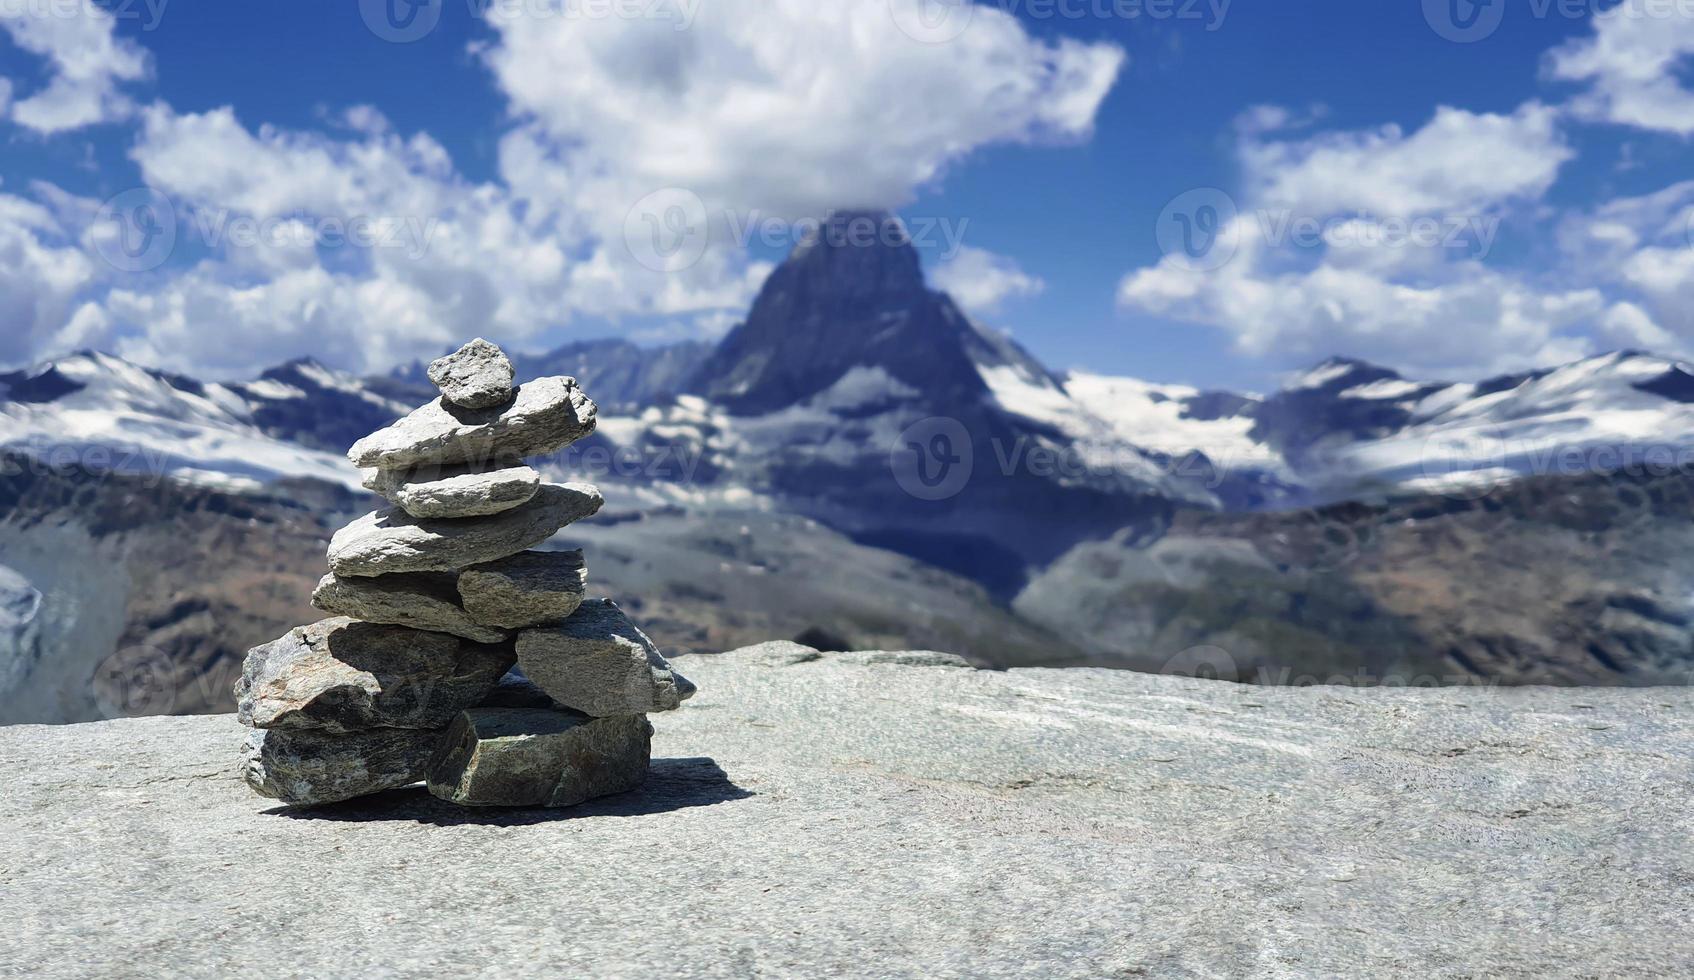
<point x="825" y="815"/>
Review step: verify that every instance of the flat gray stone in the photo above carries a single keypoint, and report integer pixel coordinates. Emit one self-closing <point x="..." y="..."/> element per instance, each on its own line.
<point x="949" y="823"/>
<point x="306" y="768"/>
<point x="455" y="491"/>
<point x="477" y="375"/>
<point x="538" y="757"/>
<point x="547" y="415"/>
<point x="344" y="676"/>
<point x="598" y="662"/>
<point x="528" y="589"/>
<point x="390" y="541"/>
<point x="421" y="600"/>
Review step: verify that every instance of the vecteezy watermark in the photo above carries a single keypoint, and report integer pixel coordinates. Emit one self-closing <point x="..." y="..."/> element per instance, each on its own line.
<point x="145" y="13"/>
<point x="1473" y="461"/>
<point x="1201" y="230"/>
<point x="405" y="21"/>
<point x="933" y="458"/>
<point x="1469" y="21"/>
<point x="670" y="229"/>
<point x="401" y="21"/>
<point x="139" y="230"/>
<point x="135" y="231"/>
<point x="942" y="21"/>
<point x="1196" y="229"/>
<point x="135" y="681"/>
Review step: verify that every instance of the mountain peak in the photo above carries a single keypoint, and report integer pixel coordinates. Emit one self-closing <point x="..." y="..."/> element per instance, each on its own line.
<point x="851" y="295"/>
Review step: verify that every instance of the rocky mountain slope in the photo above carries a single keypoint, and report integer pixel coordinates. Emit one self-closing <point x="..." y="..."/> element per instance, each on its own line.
<point x="1580" y="580"/>
<point x="816" y="815"/>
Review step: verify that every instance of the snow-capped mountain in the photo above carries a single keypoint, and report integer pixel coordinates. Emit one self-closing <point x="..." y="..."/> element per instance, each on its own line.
<point x="99" y="412"/>
<point x="1348" y="429"/>
<point x="855" y="395"/>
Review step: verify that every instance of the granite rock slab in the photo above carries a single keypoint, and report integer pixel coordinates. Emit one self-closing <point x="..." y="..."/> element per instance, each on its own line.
<point x="546" y="415"/>
<point x="601" y="664"/>
<point x="538" y="757"/>
<point x="420" y="600"/>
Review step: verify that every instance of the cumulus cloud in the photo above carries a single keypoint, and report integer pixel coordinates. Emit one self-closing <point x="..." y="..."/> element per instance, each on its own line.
<point x="1631" y="66"/>
<point x="982" y="281"/>
<point x="86" y="64"/>
<point x="1373" y="244"/>
<point x="42" y="273"/>
<point x="771" y="108"/>
<point x="1458" y="162"/>
<point x="792" y="107"/>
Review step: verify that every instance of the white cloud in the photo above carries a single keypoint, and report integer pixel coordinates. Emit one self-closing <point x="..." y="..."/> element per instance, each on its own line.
<point x="1458" y="162"/>
<point x="86" y="64"/>
<point x="982" y="281"/>
<point x="446" y="257"/>
<point x="42" y="272"/>
<point x="791" y="107"/>
<point x="1355" y="287"/>
<point x="1630" y="65"/>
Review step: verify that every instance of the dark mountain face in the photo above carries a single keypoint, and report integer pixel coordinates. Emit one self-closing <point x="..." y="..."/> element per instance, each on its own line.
<point x="329" y="412"/>
<point x="852" y="296"/>
<point x="1294" y="419"/>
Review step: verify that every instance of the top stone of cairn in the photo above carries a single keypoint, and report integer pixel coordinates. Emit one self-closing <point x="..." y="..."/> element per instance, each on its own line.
<point x="477" y="375"/>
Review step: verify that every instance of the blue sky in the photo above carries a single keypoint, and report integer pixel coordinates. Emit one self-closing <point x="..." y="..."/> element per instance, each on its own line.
<point x="1450" y="207"/>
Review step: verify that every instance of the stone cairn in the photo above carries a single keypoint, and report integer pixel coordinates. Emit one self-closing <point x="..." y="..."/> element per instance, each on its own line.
<point x="437" y="598"/>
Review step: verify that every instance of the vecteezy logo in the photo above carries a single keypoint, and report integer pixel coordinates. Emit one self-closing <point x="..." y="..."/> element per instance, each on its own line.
<point x="135" y="681"/>
<point x="1464" y="462"/>
<point x="932" y="21"/>
<point x="1464" y="21"/>
<point x="1195" y="229"/>
<point x="667" y="230"/>
<point x="933" y="458"/>
<point x="401" y="21"/>
<point x="1203" y="663"/>
<point x="135" y="231"/>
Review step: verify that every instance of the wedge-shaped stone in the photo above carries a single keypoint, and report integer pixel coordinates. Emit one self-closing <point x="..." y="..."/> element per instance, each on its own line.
<point x="547" y="414"/>
<point x="538" y="757"/>
<point x="598" y="662"/>
<point x="456" y="491"/>
<point x="527" y="589"/>
<point x="344" y="676"/>
<point x="421" y="600"/>
<point x="477" y="375"/>
<point x="390" y="541"/>
<point x="306" y="767"/>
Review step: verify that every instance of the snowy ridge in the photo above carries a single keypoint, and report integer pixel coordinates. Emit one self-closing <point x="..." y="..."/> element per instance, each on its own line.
<point x="105" y="413"/>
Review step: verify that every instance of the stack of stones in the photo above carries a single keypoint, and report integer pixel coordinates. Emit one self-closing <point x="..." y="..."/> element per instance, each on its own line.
<point x="458" y="656"/>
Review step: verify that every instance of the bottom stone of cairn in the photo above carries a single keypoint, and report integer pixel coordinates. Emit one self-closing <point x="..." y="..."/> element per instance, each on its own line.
<point x="539" y="757"/>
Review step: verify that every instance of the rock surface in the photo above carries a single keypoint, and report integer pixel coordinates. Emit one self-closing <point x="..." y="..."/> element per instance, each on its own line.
<point x="527" y="589"/>
<point x="343" y="676"/>
<point x="836" y="818"/>
<point x="311" y="768"/>
<point x="601" y="664"/>
<point x="538" y="757"/>
<point x="456" y="491"/>
<point x="477" y="375"/>
<point x="388" y="541"/>
<point x="547" y="414"/>
<point x="421" y="600"/>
